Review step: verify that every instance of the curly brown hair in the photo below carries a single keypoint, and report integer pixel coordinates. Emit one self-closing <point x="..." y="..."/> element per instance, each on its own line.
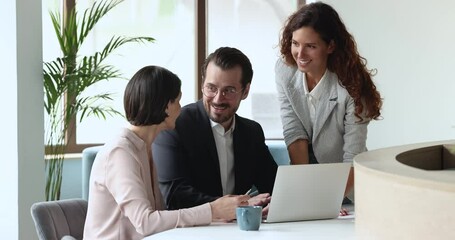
<point x="345" y="61"/>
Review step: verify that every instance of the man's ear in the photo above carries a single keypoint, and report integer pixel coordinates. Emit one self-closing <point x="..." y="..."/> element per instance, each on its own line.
<point x="246" y="91"/>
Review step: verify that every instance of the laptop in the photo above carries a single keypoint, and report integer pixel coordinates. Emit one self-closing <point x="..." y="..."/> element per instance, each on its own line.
<point x="308" y="192"/>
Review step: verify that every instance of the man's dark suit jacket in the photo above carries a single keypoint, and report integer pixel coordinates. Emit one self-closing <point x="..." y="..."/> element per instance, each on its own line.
<point x="187" y="161"/>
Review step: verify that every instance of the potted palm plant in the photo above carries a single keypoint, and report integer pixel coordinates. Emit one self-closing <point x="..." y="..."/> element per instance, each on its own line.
<point x="68" y="76"/>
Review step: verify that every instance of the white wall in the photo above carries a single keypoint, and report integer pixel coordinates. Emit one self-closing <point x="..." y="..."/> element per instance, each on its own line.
<point x="8" y="101"/>
<point x="412" y="45"/>
<point x="21" y="103"/>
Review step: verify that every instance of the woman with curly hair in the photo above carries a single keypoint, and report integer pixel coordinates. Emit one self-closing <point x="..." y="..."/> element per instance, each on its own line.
<point x="326" y="93"/>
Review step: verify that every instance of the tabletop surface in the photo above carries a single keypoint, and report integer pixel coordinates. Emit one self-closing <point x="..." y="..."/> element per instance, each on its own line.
<point x="314" y="229"/>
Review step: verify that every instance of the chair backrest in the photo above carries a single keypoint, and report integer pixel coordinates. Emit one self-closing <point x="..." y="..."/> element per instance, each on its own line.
<point x="57" y="219"/>
<point x="88" y="157"/>
<point x="279" y="151"/>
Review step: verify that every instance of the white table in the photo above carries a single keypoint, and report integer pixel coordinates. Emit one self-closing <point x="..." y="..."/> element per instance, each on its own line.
<point x="339" y="228"/>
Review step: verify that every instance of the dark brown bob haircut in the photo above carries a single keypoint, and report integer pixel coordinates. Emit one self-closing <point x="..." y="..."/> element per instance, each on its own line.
<point x="148" y="93"/>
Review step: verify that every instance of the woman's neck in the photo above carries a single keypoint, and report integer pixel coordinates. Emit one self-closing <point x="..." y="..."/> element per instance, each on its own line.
<point x="312" y="79"/>
<point x="146" y="133"/>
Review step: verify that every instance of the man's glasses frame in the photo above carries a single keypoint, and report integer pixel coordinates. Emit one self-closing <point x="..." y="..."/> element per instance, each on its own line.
<point x="228" y="92"/>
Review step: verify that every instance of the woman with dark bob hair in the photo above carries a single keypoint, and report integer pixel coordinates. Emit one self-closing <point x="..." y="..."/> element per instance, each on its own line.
<point x="326" y="93"/>
<point x="125" y="200"/>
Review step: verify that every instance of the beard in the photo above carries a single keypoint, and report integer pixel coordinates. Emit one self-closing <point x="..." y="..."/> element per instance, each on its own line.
<point x="228" y="112"/>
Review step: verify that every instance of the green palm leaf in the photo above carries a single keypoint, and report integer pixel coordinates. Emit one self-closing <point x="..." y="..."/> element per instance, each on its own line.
<point x="69" y="76"/>
<point x="93" y="15"/>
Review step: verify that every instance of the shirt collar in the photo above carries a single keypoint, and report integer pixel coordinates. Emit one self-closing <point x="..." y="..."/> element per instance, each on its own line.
<point x="220" y="129"/>
<point x="135" y="139"/>
<point x="319" y="88"/>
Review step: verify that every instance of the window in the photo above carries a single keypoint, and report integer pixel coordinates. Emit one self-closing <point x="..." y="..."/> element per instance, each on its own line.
<point x="253" y="26"/>
<point x="172" y="24"/>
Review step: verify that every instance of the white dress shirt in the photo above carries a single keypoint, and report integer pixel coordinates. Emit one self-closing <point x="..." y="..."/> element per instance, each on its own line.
<point x="225" y="150"/>
<point x="314" y="95"/>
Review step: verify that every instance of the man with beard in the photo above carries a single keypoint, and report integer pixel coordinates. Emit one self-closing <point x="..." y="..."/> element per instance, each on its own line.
<point x="212" y="151"/>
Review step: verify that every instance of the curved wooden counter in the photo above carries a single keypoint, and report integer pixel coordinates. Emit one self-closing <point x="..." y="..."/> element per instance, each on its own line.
<point x="398" y="201"/>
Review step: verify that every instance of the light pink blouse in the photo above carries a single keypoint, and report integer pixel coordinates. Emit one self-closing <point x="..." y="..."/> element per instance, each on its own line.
<point x="124" y="198"/>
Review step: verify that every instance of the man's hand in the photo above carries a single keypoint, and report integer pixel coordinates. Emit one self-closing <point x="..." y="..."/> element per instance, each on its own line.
<point x="261" y="200"/>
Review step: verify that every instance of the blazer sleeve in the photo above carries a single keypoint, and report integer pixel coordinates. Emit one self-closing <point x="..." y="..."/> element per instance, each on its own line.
<point x="177" y="189"/>
<point x="355" y="135"/>
<point x="267" y="165"/>
<point x="254" y="164"/>
<point x="292" y="126"/>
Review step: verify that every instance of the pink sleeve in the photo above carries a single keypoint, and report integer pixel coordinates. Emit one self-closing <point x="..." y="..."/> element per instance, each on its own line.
<point x="125" y="179"/>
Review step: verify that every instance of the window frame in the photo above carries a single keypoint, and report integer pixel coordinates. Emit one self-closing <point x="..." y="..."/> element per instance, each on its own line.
<point x="201" y="53"/>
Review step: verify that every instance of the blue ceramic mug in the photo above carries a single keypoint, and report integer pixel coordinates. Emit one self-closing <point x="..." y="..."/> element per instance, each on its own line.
<point x="249" y="217"/>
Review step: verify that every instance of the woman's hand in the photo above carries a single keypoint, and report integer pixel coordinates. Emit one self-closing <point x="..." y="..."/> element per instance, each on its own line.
<point x="224" y="207"/>
<point x="344" y="212"/>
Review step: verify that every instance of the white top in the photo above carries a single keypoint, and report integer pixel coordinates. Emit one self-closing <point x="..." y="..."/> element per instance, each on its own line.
<point x="314" y="95"/>
<point x="225" y="150"/>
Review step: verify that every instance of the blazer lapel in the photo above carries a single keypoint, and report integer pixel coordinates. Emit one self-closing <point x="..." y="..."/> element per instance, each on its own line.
<point x="207" y="135"/>
<point x="240" y="163"/>
<point x="299" y="100"/>
<point x="326" y="104"/>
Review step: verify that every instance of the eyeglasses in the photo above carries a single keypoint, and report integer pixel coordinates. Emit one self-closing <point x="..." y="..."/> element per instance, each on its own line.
<point x="228" y="92"/>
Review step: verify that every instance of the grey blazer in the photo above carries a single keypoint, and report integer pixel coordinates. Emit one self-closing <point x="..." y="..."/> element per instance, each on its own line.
<point x="336" y="135"/>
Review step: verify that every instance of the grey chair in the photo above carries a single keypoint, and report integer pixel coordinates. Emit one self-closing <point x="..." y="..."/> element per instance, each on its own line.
<point x="55" y="220"/>
<point x="88" y="157"/>
<point x="279" y="151"/>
